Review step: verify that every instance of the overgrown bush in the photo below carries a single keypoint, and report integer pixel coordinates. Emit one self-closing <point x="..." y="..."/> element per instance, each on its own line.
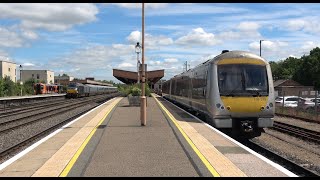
<point x="134" y="90"/>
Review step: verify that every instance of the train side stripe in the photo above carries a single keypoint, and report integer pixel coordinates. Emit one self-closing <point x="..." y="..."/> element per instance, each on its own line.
<point x="195" y="149"/>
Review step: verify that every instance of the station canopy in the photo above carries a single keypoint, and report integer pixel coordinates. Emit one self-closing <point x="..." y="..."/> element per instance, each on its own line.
<point x="129" y="77"/>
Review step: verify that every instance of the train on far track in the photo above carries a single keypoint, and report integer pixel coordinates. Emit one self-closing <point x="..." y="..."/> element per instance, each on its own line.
<point x="232" y="91"/>
<point x="42" y="88"/>
<point x="75" y="90"/>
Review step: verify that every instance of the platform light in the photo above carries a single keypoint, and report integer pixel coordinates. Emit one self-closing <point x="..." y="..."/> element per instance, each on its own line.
<point x="20" y="67"/>
<point x="138" y="51"/>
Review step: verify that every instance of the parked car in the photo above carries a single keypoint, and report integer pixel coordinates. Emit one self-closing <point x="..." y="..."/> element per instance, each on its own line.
<point x="305" y="104"/>
<point x="289" y="101"/>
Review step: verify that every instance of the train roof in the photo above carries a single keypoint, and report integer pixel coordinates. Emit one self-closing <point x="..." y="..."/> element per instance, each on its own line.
<point x="226" y="55"/>
<point x="237" y="54"/>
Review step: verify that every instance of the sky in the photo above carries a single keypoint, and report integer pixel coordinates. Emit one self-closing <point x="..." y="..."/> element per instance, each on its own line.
<point x="89" y="40"/>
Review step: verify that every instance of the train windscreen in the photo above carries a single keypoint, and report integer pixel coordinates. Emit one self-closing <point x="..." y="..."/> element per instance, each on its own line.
<point x="242" y="80"/>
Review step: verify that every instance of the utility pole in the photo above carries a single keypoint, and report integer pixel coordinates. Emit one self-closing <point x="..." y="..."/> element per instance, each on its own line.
<point x="143" y="106"/>
<point x="186" y="66"/>
<point x="260" y="47"/>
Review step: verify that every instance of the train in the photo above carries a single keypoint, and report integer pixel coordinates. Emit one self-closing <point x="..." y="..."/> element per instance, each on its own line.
<point x="41" y="88"/>
<point x="75" y="90"/>
<point x="232" y="91"/>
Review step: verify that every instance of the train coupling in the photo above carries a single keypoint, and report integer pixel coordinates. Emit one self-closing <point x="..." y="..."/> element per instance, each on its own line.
<point x="246" y="126"/>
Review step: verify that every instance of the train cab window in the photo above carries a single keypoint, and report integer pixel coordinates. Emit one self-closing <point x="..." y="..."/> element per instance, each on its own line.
<point x="242" y="79"/>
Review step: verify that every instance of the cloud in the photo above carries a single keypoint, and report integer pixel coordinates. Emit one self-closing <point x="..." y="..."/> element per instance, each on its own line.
<point x="197" y="37"/>
<point x="268" y="45"/>
<point x="52" y="17"/>
<point x="9" y="38"/>
<point x="151" y="42"/>
<point x="134" y="37"/>
<point x="139" y="5"/>
<point x="310" y="25"/>
<point x="125" y="65"/>
<point x="309" y="45"/>
<point x="155" y="42"/>
<point x="28" y="64"/>
<point x="248" y="26"/>
<point x="29" y="34"/>
<point x="171" y="60"/>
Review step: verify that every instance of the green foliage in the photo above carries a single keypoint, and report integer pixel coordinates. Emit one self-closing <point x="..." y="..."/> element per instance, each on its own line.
<point x="28" y="87"/>
<point x="304" y="70"/>
<point x="134" y="89"/>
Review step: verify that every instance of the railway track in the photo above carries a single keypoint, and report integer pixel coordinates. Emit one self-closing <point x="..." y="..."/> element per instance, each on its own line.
<point x="288" y="164"/>
<point x="299" y="132"/>
<point x="297" y="117"/>
<point x="25" y="141"/>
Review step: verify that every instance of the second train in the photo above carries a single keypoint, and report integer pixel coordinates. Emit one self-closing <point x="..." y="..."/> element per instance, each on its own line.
<point x="75" y="90"/>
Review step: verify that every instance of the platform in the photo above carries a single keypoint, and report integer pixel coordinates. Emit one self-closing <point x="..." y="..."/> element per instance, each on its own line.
<point x="110" y="141"/>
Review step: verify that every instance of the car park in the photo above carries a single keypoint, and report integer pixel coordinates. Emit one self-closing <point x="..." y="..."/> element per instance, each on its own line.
<point x="287" y="101"/>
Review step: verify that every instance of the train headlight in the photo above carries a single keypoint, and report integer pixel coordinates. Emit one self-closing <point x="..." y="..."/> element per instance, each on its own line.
<point x="270" y="104"/>
<point x="218" y="105"/>
<point x="75" y="88"/>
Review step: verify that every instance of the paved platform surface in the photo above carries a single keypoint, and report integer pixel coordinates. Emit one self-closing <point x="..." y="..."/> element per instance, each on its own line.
<point x="110" y="141"/>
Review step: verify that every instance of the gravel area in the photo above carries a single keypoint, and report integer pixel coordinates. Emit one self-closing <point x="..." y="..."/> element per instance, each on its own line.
<point x="299" y="123"/>
<point x="10" y="138"/>
<point x="16" y="105"/>
<point x="301" y="152"/>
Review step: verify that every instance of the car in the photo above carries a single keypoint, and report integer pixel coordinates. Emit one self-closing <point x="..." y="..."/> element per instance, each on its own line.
<point x="305" y="104"/>
<point x="289" y="101"/>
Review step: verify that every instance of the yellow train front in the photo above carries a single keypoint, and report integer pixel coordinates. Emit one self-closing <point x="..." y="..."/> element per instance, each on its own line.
<point x="233" y="91"/>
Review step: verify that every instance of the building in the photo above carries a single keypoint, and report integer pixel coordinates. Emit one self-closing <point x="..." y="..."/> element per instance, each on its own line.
<point x="90" y="80"/>
<point x="158" y="85"/>
<point x="45" y="76"/>
<point x="63" y="80"/>
<point x="289" y="87"/>
<point x="8" y="69"/>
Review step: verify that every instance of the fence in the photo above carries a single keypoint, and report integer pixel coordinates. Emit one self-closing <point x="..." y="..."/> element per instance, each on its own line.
<point x="305" y="105"/>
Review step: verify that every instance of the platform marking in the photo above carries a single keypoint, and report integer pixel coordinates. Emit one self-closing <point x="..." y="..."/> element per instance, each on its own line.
<point x="33" y="146"/>
<point x="195" y="149"/>
<point x="67" y="169"/>
<point x="277" y="166"/>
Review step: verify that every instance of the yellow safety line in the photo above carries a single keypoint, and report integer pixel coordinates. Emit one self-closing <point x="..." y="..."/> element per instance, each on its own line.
<point x="67" y="169"/>
<point x="193" y="146"/>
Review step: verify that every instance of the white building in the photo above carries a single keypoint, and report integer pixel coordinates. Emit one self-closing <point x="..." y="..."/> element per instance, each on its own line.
<point x="45" y="76"/>
<point x="8" y="69"/>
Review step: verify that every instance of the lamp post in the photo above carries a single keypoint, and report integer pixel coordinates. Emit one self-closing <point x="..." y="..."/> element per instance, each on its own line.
<point x="59" y="85"/>
<point x="260" y="47"/>
<point x="138" y="50"/>
<point x="143" y="108"/>
<point x="20" y="67"/>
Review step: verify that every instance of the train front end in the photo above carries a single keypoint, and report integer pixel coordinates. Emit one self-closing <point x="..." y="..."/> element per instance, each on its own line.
<point x="72" y="90"/>
<point x="244" y="96"/>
